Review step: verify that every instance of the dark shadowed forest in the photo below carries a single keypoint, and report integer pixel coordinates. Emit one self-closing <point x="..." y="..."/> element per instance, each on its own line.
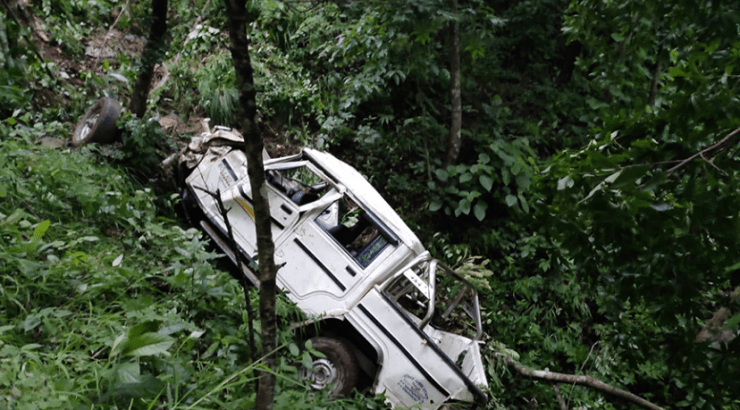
<point x="576" y="160"/>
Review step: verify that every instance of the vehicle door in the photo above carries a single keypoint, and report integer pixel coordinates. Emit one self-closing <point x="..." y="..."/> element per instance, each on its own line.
<point x="422" y="364"/>
<point x="331" y="251"/>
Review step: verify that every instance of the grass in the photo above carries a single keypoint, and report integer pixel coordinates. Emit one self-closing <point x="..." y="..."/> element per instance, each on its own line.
<point x="108" y="301"/>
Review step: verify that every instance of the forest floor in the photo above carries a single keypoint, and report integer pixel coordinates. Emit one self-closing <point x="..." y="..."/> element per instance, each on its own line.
<point x="107" y="45"/>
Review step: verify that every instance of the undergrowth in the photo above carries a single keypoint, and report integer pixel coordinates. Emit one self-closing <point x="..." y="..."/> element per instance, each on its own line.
<point x="106" y="301"/>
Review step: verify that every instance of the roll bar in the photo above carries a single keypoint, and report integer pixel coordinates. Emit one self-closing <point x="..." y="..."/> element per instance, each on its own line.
<point x="430" y="265"/>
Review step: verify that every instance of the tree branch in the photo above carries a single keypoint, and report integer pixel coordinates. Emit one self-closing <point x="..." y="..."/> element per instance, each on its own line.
<point x="581" y="370"/>
<point x="581" y="380"/>
<point x="253" y="353"/>
<point x="454" y="138"/>
<point x="559" y="397"/>
<point x="704" y="151"/>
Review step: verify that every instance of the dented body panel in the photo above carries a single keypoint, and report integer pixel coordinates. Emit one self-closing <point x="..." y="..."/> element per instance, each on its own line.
<point x="347" y="254"/>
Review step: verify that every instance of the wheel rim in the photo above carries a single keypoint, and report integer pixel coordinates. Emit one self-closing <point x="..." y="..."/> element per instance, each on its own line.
<point x="324" y="373"/>
<point x="85" y="131"/>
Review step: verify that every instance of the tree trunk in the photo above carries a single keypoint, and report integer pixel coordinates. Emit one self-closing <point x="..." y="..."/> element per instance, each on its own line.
<point x="253" y="146"/>
<point x="654" y="83"/>
<point x="454" y="139"/>
<point x="152" y="55"/>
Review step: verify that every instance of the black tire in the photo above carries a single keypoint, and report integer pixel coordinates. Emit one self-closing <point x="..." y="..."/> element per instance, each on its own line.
<point x="339" y="367"/>
<point x="98" y="124"/>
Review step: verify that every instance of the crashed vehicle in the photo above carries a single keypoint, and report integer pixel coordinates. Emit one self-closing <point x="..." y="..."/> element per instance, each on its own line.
<point x="381" y="308"/>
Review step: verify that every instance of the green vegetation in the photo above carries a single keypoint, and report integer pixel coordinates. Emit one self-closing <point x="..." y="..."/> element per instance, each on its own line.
<point x="108" y="301"/>
<point x="609" y="253"/>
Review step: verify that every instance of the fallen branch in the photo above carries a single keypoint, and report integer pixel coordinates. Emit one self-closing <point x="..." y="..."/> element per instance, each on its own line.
<point x="581" y="380"/>
<point x="701" y="153"/>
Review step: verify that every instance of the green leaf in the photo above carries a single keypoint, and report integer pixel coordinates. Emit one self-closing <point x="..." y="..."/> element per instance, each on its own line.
<point x="307" y="360"/>
<point x="658" y="179"/>
<point x="629" y="175"/>
<point x="479" y="210"/>
<point x="435" y="205"/>
<point x="523" y="202"/>
<point x="505" y="176"/>
<point x="31" y="322"/>
<point x="147" y="386"/>
<point x="673" y="56"/>
<point x="662" y="207"/>
<point x="294" y="351"/>
<point x="466" y="177"/>
<point x="211" y="350"/>
<point x="465" y="206"/>
<point x="128" y="372"/>
<point x="733" y="268"/>
<point x="442" y="175"/>
<point x="484" y="158"/>
<point x="565" y="182"/>
<point x="147" y="344"/>
<point x="522" y="181"/>
<point x="611" y="178"/>
<point x="596" y="189"/>
<point x="510" y="200"/>
<point x="14" y="217"/>
<point x="486" y="182"/>
<point x="677" y="72"/>
<point x="40" y="230"/>
<point x="733" y="322"/>
<point x="143" y="327"/>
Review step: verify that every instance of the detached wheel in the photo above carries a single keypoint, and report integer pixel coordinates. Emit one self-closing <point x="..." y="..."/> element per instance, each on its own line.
<point x="339" y="368"/>
<point x="98" y="124"/>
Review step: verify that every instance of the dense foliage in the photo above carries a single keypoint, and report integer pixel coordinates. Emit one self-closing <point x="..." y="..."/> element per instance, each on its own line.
<point x="609" y="251"/>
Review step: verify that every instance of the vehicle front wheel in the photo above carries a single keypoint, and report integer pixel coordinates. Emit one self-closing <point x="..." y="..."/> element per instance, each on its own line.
<point x="98" y="124"/>
<point x="338" y="369"/>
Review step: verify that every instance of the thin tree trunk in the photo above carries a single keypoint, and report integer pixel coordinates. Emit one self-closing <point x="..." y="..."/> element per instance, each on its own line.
<point x="240" y="262"/>
<point x="152" y="55"/>
<point x="454" y="139"/>
<point x="654" y="84"/>
<point x="253" y="146"/>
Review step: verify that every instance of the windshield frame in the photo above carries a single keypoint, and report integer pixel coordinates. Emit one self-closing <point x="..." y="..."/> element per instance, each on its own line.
<point x="431" y="266"/>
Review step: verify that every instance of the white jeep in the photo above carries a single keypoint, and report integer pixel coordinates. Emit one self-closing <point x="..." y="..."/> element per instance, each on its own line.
<point x="380" y="306"/>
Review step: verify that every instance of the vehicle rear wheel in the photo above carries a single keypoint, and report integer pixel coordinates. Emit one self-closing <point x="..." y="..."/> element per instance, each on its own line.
<point x="339" y="368"/>
<point x="98" y="124"/>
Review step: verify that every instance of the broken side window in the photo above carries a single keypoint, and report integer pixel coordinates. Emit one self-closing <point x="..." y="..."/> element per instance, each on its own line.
<point x="299" y="184"/>
<point x="356" y="230"/>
